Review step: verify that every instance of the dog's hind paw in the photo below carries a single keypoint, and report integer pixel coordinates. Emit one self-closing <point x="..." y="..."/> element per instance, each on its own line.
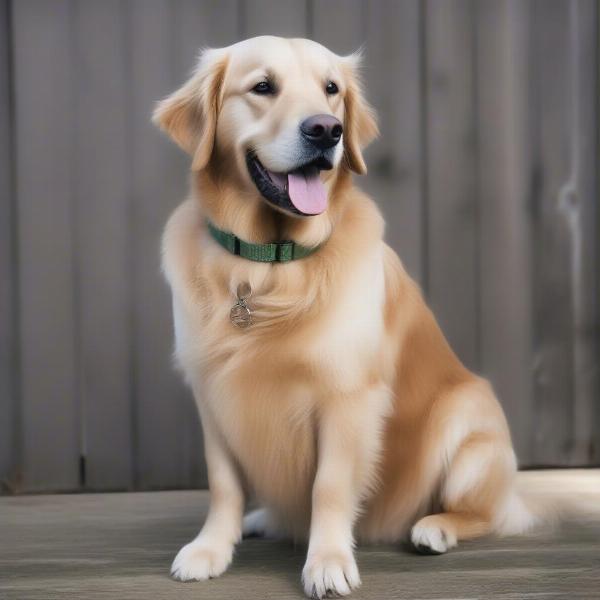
<point x="198" y="561"/>
<point x="428" y="537"/>
<point x="259" y="523"/>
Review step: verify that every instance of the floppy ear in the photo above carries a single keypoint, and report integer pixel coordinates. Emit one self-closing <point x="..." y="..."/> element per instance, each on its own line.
<point x="189" y="115"/>
<point x="360" y="125"/>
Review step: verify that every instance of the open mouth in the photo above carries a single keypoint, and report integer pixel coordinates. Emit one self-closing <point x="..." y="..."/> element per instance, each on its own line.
<point x="300" y="191"/>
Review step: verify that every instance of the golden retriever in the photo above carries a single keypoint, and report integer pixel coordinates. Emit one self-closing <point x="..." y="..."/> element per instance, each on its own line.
<point x="331" y="395"/>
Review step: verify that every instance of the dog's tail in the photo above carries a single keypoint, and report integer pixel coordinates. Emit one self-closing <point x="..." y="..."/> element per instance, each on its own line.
<point x="543" y="499"/>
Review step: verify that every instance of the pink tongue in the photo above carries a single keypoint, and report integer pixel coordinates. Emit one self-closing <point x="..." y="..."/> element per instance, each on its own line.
<point x="307" y="192"/>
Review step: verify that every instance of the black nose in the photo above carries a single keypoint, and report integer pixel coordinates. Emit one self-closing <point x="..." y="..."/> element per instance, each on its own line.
<point x="323" y="131"/>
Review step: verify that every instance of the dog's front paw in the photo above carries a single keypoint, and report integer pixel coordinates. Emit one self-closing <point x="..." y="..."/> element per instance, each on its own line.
<point x="330" y="574"/>
<point x="200" y="560"/>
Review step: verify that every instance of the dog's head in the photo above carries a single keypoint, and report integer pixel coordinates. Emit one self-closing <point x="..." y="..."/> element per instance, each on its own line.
<point x="285" y="114"/>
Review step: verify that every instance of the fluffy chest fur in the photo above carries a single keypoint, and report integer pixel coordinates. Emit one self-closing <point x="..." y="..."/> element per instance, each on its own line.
<point x="314" y="337"/>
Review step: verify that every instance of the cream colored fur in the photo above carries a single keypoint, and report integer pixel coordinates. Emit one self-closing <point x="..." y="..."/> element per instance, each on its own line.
<point x="342" y="409"/>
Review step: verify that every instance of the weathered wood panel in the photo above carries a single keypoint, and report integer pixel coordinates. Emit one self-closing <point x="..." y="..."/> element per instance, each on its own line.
<point x="486" y="171"/>
<point x="393" y="75"/>
<point x="287" y="18"/>
<point x="211" y="23"/>
<point x="102" y="238"/>
<point x="158" y="182"/>
<point x="505" y="197"/>
<point x="44" y="74"/>
<point x="340" y="25"/>
<point x="451" y="163"/>
<point x="553" y="301"/>
<point x="564" y="88"/>
<point x="8" y="306"/>
<point x="584" y="226"/>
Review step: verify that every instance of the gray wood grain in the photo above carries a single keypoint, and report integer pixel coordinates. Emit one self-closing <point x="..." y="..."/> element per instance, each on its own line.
<point x="339" y="25"/>
<point x="286" y="18"/>
<point x="552" y="278"/>
<point x="99" y="546"/>
<point x="102" y="238"/>
<point x="452" y="214"/>
<point x="45" y="193"/>
<point x="486" y="172"/>
<point x="584" y="226"/>
<point x="505" y="195"/>
<point x="211" y="23"/>
<point x="8" y="306"/>
<point x="392" y="73"/>
<point x="158" y="183"/>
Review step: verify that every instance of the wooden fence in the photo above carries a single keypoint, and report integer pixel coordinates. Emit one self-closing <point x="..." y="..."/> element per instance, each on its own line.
<point x="486" y="171"/>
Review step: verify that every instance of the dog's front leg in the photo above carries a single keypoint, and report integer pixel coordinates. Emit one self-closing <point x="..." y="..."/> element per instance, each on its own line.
<point x="348" y="443"/>
<point x="210" y="553"/>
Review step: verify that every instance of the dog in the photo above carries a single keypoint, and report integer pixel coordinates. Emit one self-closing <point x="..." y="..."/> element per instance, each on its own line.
<point x="325" y="387"/>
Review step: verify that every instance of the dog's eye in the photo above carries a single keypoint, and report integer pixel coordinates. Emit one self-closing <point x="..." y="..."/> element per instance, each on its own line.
<point x="263" y="88"/>
<point x="331" y="88"/>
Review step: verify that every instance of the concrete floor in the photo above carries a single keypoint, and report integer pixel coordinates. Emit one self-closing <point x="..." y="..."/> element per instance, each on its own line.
<point x="100" y="546"/>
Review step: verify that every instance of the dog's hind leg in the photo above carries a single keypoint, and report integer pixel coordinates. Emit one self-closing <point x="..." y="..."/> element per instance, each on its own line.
<point x="475" y="487"/>
<point x="260" y="523"/>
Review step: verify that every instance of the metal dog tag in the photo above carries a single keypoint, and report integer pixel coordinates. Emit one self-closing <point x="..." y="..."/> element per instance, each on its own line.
<point x="240" y="315"/>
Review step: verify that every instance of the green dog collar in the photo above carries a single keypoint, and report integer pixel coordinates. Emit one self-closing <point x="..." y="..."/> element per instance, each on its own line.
<point x="274" y="252"/>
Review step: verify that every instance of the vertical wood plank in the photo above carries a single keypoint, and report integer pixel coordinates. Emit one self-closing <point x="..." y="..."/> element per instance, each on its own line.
<point x="338" y="24"/>
<point x="44" y="183"/>
<point x="504" y="135"/>
<point x="584" y="227"/>
<point x="452" y="280"/>
<point x="393" y="81"/>
<point x="8" y="308"/>
<point x="211" y="23"/>
<point x="553" y="307"/>
<point x="563" y="313"/>
<point x="102" y="238"/>
<point x="159" y="180"/>
<point x="285" y="18"/>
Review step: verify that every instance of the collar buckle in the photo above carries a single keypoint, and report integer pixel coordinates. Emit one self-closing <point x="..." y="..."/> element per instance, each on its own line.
<point x="285" y="251"/>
